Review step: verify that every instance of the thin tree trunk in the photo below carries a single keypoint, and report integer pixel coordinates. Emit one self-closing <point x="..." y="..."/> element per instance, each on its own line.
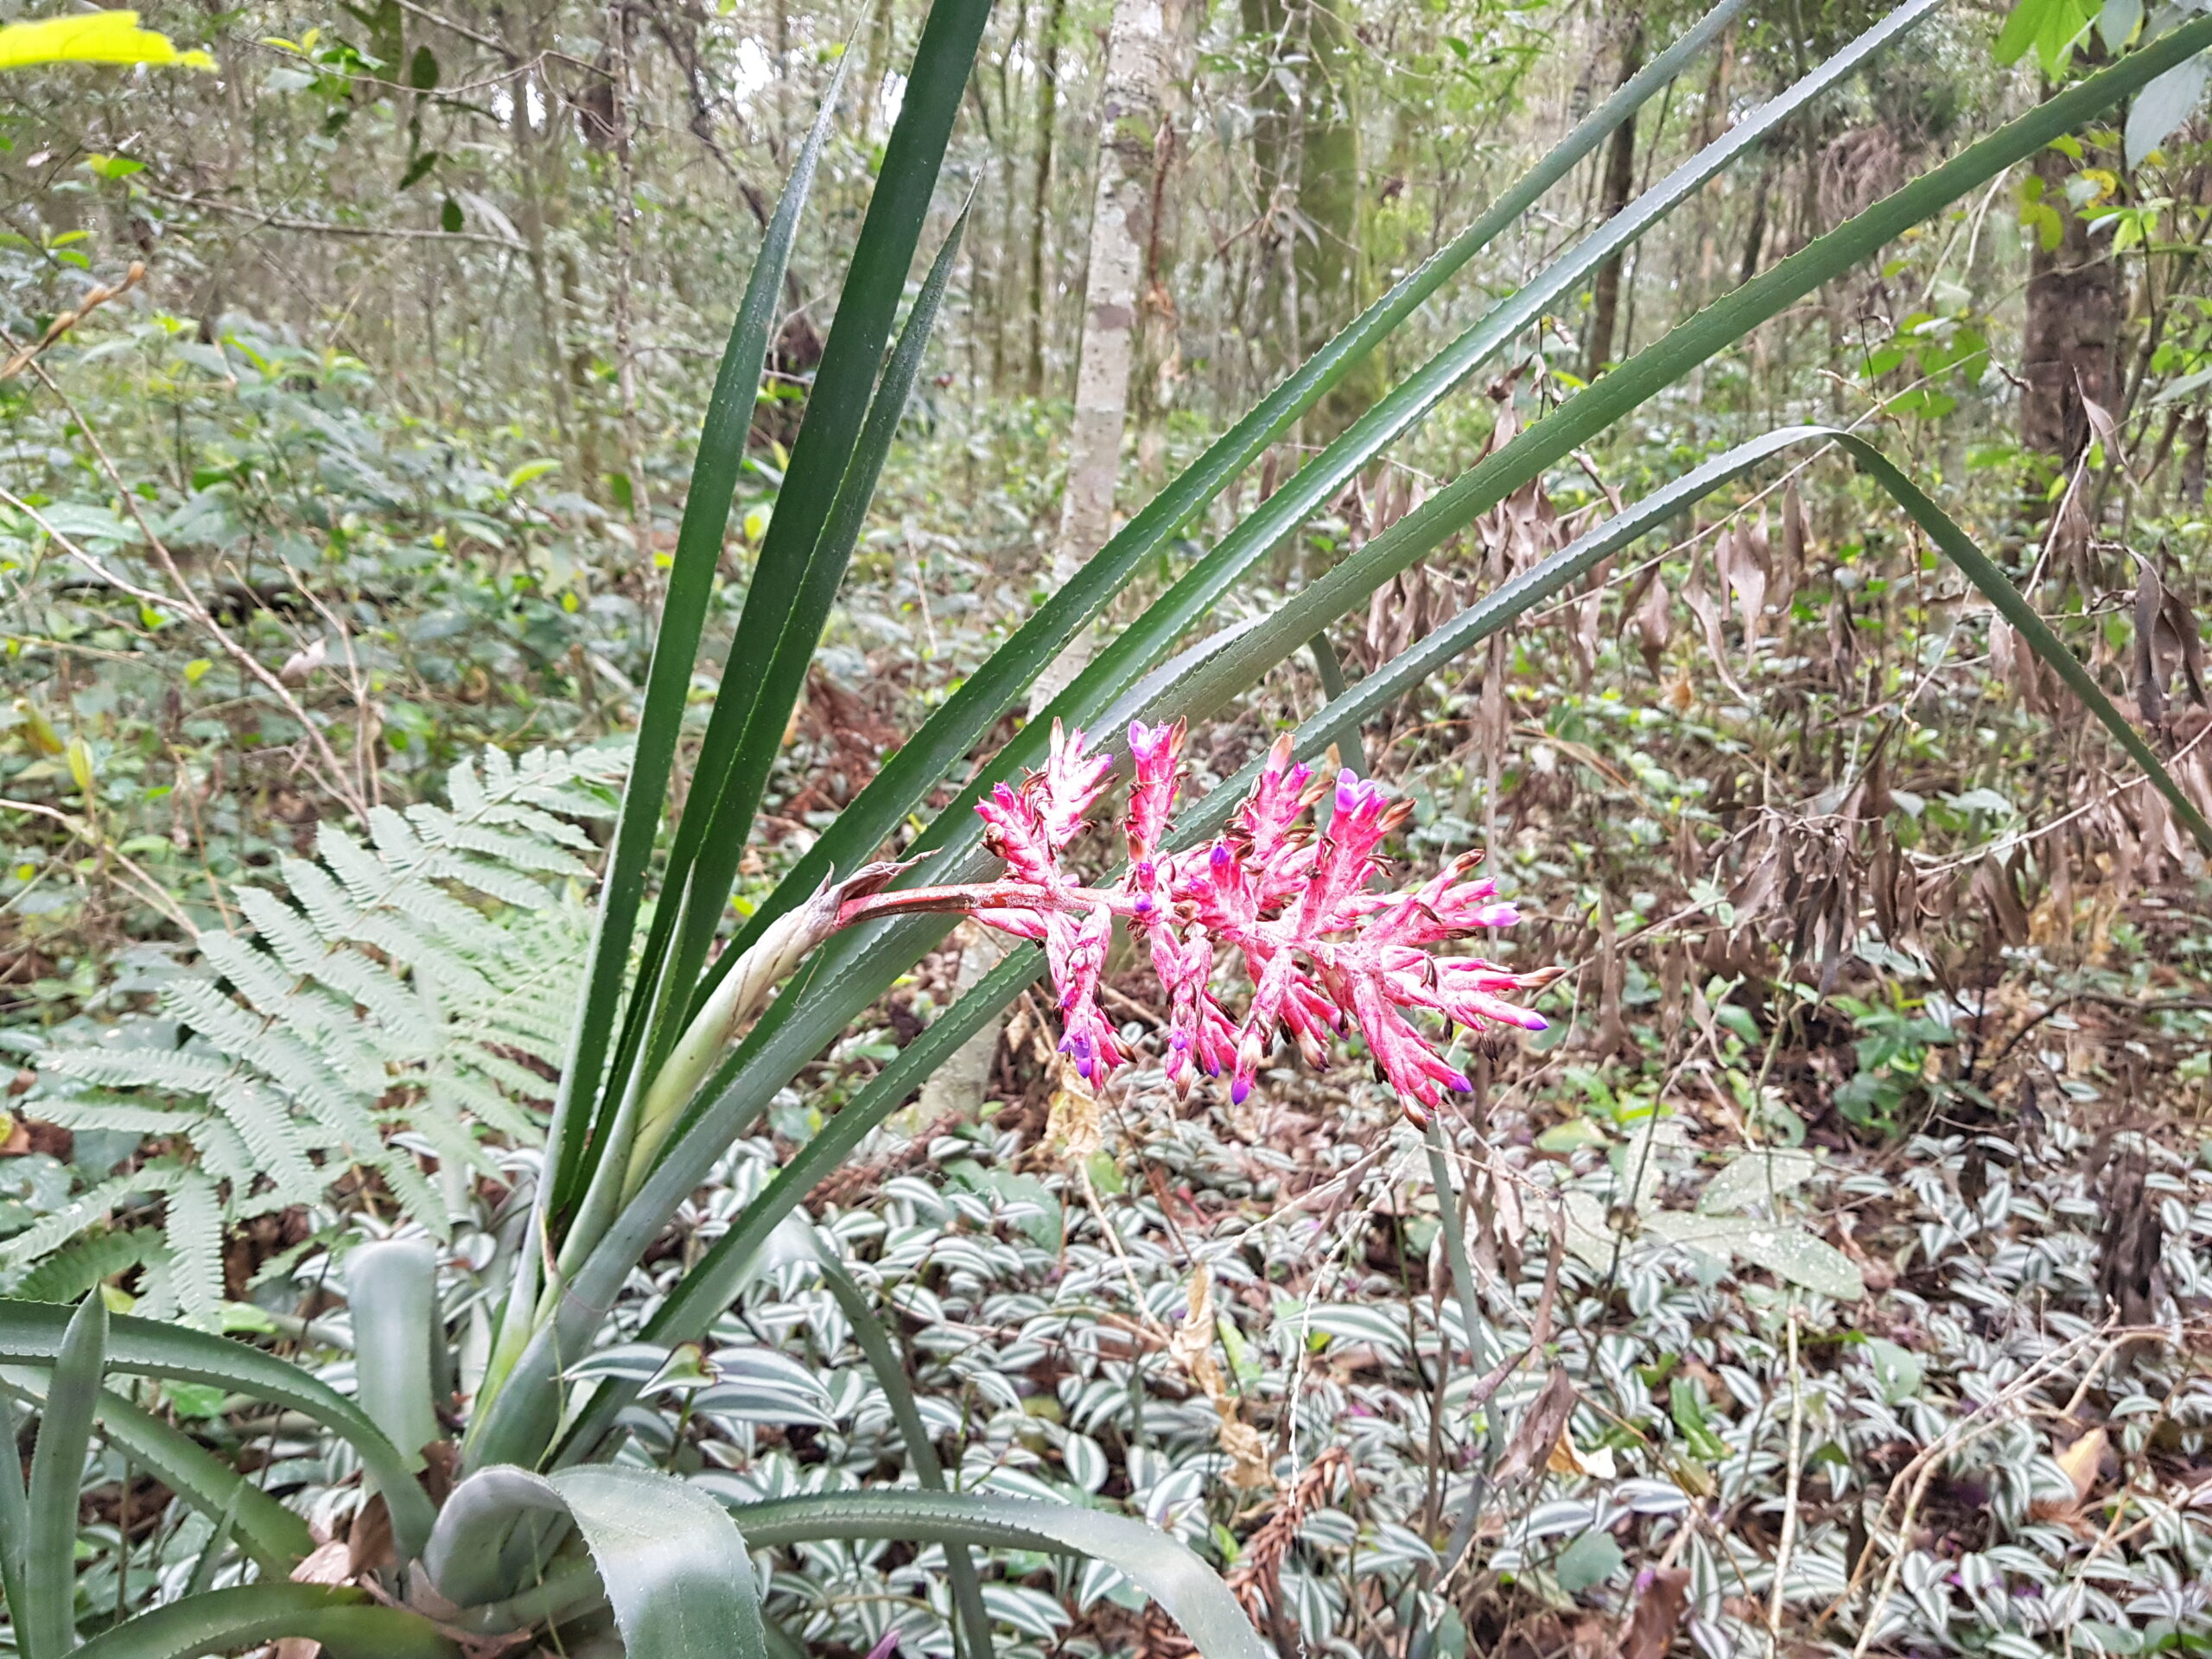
<point x="2072" y="324"/>
<point x="1331" y="263"/>
<point x="580" y="390"/>
<point x="1137" y="54"/>
<point x="1620" y="180"/>
<point x="1040" y="198"/>
<point x="878" y="66"/>
<point x="1755" y="236"/>
<point x="1159" y="351"/>
<point x="780" y="140"/>
<point x="1272" y="263"/>
<point x="531" y="222"/>
<point x="626" y="235"/>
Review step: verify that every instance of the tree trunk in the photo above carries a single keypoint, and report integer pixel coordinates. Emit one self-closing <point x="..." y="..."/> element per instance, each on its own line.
<point x="1620" y="182"/>
<point x="1267" y="22"/>
<point x="1040" y="202"/>
<point x="2073" y="326"/>
<point x="1160" y="354"/>
<point x="1137" y="53"/>
<point x="1755" y="237"/>
<point x="619" y="120"/>
<point x="1331" y="262"/>
<point x="878" y="66"/>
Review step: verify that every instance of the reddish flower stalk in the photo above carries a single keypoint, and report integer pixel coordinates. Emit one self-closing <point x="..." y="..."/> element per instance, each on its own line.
<point x="1319" y="942"/>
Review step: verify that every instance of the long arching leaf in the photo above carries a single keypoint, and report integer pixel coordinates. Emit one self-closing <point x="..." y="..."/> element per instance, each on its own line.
<point x="493" y="1535"/>
<point x="891" y="1375"/>
<point x="668" y="1559"/>
<point x="1162" y="1567"/>
<point x="14" y="1517"/>
<point x="31" y="1333"/>
<point x="909" y="774"/>
<point x="1125" y="661"/>
<point x="345" y="1621"/>
<point x="391" y="1291"/>
<point x="275" y="1537"/>
<point x="46" y="1625"/>
<point x="1692" y="343"/>
<point x="674" y="1566"/>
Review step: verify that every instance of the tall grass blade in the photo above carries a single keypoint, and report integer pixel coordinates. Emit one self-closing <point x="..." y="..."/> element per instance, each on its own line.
<point x="715" y="468"/>
<point x="974" y="1619"/>
<point x="46" y="1625"/>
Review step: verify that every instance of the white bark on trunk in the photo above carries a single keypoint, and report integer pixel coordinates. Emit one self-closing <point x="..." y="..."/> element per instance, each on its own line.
<point x="1138" y="50"/>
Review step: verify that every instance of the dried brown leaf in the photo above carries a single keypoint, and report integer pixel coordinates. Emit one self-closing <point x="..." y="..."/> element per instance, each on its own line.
<point x="1660" y="1608"/>
<point x="1716" y="645"/>
<point x="1541" y="1428"/>
<point x="1654" y="622"/>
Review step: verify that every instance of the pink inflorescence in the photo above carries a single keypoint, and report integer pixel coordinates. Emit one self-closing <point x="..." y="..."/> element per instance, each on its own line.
<point x="1319" y="942"/>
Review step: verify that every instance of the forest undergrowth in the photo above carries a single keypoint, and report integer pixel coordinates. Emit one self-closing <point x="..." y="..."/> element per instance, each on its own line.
<point x="1832" y="1274"/>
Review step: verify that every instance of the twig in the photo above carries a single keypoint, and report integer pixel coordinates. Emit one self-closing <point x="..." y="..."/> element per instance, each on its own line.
<point x="1921" y="1469"/>
<point x="500" y="46"/>
<point x="324" y="227"/>
<point x="62" y="325"/>
<point x="154" y="892"/>
<point x="1790" y="1494"/>
<point x="365" y="759"/>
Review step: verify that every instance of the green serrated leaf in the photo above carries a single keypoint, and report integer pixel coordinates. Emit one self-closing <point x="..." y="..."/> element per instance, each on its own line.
<point x="46" y="1625"/>
<point x="345" y="1621"/>
<point x="31" y="1333"/>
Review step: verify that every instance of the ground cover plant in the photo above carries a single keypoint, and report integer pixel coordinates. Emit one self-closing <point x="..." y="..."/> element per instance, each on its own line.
<point x="473" y="1199"/>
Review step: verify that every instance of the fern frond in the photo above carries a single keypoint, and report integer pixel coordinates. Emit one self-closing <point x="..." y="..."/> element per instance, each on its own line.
<point x="405" y="997"/>
<point x="75" y="1268"/>
<point x="195" y="1238"/>
<point x="49" y="1232"/>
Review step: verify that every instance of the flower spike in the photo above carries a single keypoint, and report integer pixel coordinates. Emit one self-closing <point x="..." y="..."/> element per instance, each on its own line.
<point x="1325" y="951"/>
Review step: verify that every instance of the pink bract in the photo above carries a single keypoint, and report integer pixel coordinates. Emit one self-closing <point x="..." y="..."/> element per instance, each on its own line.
<point x="1321" y="945"/>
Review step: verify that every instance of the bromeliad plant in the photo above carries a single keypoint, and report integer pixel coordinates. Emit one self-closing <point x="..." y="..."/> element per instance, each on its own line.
<point x="535" y="1511"/>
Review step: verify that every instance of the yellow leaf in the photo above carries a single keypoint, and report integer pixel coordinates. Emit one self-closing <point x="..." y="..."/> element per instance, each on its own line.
<point x="80" y="766"/>
<point x="92" y="37"/>
<point x="2080" y="1461"/>
<point x="38" y="730"/>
